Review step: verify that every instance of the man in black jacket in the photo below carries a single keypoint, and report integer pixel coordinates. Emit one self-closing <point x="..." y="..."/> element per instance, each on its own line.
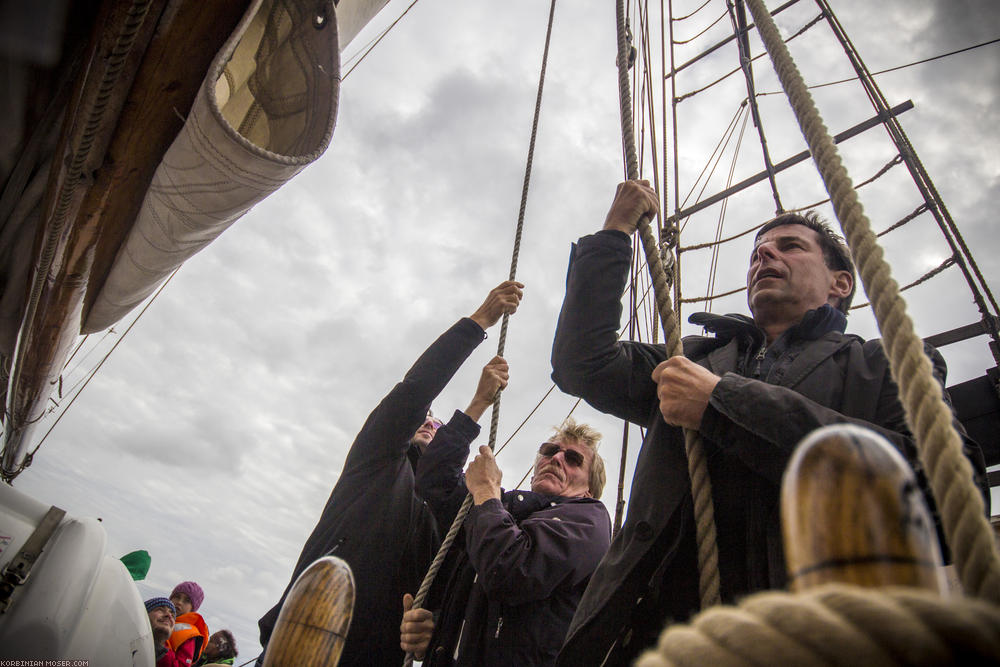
<point x="753" y="391"/>
<point x="518" y="569"/>
<point x="373" y="520"/>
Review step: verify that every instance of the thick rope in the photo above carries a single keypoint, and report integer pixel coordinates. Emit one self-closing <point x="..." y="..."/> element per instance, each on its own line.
<point x="929" y="418"/>
<point x="463" y="511"/>
<point x="836" y="624"/>
<point x="701" y="489"/>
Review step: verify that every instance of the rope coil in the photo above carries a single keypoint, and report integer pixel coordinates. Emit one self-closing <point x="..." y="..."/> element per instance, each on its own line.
<point x="898" y="626"/>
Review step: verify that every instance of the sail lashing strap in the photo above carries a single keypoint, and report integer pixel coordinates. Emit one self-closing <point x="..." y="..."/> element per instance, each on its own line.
<point x="19" y="568"/>
<point x="463" y="511"/>
<point x="701" y="488"/>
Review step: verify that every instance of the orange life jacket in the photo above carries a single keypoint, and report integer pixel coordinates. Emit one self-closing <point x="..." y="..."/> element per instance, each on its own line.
<point x="188" y="626"/>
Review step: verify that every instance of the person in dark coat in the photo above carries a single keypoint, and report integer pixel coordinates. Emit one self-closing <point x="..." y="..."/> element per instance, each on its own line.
<point x="753" y="391"/>
<point x="373" y="520"/>
<point x="523" y="558"/>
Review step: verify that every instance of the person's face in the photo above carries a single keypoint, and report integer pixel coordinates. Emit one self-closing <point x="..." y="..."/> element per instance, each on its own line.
<point x="182" y="602"/>
<point x="789" y="275"/>
<point x="161" y="618"/>
<point x="216" y="646"/>
<point x="426" y="432"/>
<point x="562" y="468"/>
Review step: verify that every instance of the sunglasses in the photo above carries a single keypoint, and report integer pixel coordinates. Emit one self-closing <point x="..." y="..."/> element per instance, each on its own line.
<point x="573" y="457"/>
<point x="435" y="422"/>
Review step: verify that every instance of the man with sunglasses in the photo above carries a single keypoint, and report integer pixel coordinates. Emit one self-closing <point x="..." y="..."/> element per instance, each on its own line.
<point x="516" y="572"/>
<point x="373" y="520"/>
<point x="753" y="391"/>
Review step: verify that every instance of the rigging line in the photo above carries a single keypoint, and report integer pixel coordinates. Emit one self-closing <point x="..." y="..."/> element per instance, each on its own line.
<point x="711" y="25"/>
<point x="675" y="149"/>
<point x="923" y="208"/>
<point x="709" y="244"/>
<point x="27" y="459"/>
<point x="663" y="189"/>
<point x="798" y="158"/>
<point x="501" y="343"/>
<point x="892" y="163"/>
<point x="376" y="42"/>
<point x="552" y="387"/>
<point x="701" y="491"/>
<point x="725" y="135"/>
<point x="568" y="415"/>
<point x="714" y="159"/>
<point x="713" y="271"/>
<point x="939" y="446"/>
<point x="714" y="263"/>
<point x="701" y="246"/>
<point x="86" y="356"/>
<point x="718" y="161"/>
<point x="684" y="18"/>
<point x="77" y="349"/>
<point x="892" y="69"/>
<point x="951" y="261"/>
<point x="819" y="17"/>
<point x="923" y="182"/>
<point x="715" y="47"/>
<point x="60" y="206"/>
<point x="925" y="185"/>
<point x="463" y="511"/>
<point x="650" y="108"/>
<point x="712" y="297"/>
<point x="525" y="421"/>
<point x="639" y="83"/>
<point x="739" y="18"/>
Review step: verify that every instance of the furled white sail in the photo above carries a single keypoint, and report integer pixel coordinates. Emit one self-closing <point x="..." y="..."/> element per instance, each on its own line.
<point x="265" y="111"/>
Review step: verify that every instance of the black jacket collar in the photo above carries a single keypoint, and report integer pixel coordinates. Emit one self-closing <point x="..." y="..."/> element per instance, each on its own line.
<point x="814" y="324"/>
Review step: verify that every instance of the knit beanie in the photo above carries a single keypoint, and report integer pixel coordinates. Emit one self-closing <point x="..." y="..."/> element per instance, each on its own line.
<point x="192" y="590"/>
<point x="153" y="603"/>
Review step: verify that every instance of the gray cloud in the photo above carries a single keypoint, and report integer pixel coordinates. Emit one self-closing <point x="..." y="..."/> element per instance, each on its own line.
<point x="213" y="435"/>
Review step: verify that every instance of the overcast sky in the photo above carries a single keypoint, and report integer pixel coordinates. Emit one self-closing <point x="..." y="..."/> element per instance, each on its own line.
<point x="214" y="433"/>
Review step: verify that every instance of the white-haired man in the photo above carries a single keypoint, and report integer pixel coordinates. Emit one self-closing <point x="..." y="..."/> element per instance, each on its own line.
<point x="514" y="578"/>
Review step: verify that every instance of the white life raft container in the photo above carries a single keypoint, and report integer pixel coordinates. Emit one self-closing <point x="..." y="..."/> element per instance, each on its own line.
<point x="76" y="602"/>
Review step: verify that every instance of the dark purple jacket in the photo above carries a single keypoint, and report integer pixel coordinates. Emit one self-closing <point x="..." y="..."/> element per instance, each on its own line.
<point x="373" y="519"/>
<point x="507" y="597"/>
<point x="812" y="376"/>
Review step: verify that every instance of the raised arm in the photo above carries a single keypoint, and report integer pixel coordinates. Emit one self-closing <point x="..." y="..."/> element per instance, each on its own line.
<point x="588" y="360"/>
<point x="439" y="479"/>
<point x="386" y="433"/>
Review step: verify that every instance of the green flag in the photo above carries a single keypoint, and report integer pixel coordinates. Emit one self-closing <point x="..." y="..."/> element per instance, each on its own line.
<point x="137" y="564"/>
